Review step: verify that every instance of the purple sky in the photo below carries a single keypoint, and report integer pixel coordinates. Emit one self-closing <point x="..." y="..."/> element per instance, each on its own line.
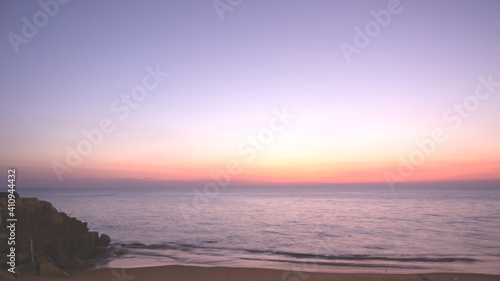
<point x="225" y="79"/>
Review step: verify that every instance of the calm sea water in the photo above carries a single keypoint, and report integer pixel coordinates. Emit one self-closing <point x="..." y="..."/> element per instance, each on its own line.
<point x="315" y="229"/>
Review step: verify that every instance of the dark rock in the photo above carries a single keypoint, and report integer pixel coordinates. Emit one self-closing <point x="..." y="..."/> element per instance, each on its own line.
<point x="104" y="240"/>
<point x="99" y="251"/>
<point x="62" y="259"/>
<point x="5" y="275"/>
<point x="120" y="252"/>
<point x="3" y="259"/>
<point x="75" y="263"/>
<point x="55" y="239"/>
<point x="26" y="269"/>
<point x="3" y="244"/>
<point x="50" y="269"/>
<point x="91" y="239"/>
<point x="23" y="257"/>
<point x="84" y="253"/>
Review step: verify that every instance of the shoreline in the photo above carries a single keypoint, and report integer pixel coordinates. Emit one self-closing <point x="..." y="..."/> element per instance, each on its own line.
<point x="182" y="272"/>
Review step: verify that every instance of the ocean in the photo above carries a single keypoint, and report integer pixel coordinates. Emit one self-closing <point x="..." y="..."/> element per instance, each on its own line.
<point x="320" y="229"/>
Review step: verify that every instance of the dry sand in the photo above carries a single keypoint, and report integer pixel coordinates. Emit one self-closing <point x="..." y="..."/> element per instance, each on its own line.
<point x="225" y="273"/>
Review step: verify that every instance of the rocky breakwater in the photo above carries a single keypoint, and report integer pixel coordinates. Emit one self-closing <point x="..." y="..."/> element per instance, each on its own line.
<point x="47" y="242"/>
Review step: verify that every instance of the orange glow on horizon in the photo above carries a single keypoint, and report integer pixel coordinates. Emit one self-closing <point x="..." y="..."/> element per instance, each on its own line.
<point x="323" y="173"/>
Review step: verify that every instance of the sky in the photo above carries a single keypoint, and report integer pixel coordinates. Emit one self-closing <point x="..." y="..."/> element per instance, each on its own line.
<point x="174" y="93"/>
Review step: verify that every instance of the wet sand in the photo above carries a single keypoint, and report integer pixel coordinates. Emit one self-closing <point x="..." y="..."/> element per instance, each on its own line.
<point x="181" y="273"/>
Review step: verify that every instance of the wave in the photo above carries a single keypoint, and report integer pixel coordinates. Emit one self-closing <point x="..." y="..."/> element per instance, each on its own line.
<point x="365" y="257"/>
<point x="298" y="256"/>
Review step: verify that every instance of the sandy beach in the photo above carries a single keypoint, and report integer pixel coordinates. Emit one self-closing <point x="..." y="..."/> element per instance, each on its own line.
<point x="251" y="274"/>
